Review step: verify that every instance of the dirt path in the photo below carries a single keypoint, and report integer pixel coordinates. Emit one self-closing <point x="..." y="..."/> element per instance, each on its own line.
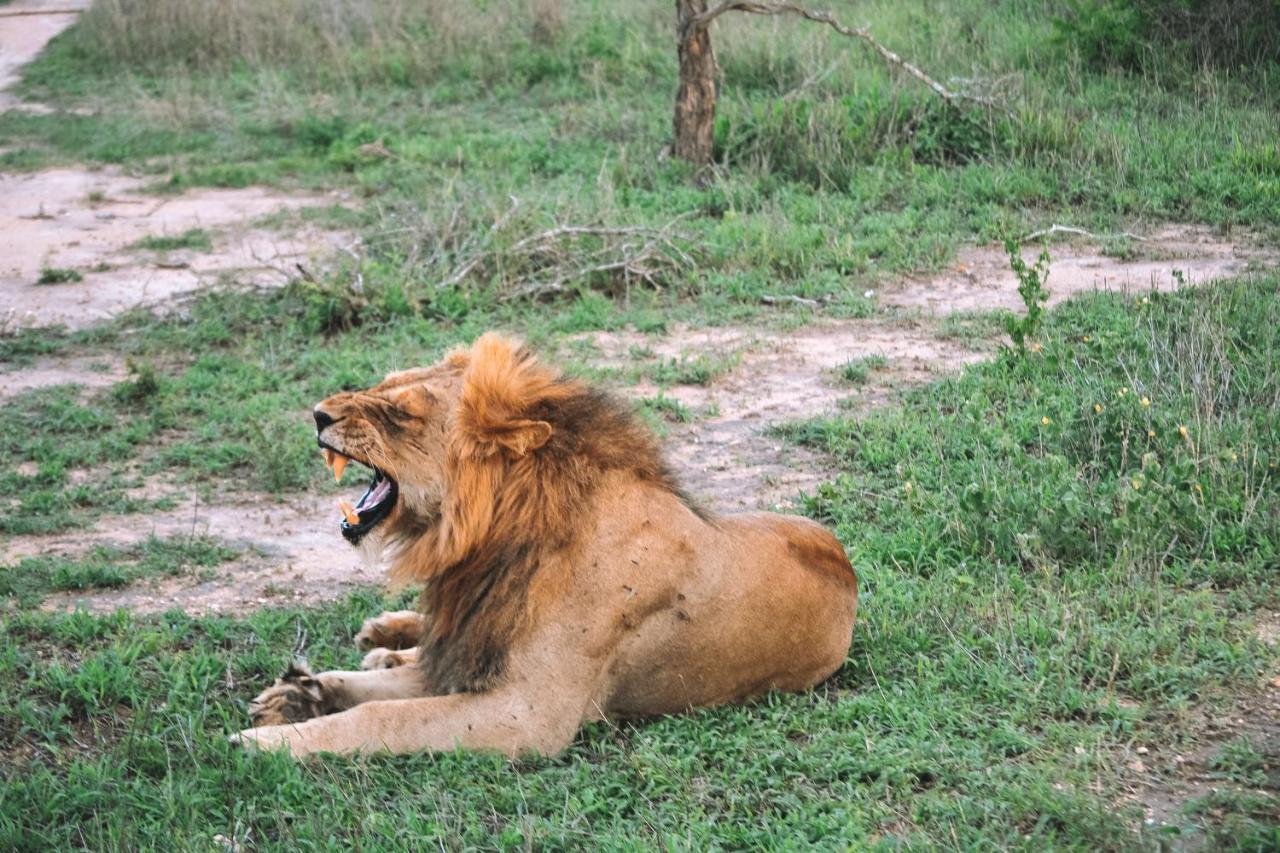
<point x="86" y="226"/>
<point x="68" y="236"/>
<point x="26" y="26"/>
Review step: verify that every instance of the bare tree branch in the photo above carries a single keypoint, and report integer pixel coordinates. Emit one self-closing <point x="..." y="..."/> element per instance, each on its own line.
<point x="861" y="33"/>
<point x="549" y="261"/>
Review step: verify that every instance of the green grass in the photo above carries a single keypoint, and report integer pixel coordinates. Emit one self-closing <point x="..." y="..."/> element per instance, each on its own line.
<point x="26" y="582"/>
<point x="1044" y="585"/>
<point x="193" y="238"/>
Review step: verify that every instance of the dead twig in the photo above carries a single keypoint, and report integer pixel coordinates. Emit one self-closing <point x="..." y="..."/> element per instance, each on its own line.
<point x="1079" y="232"/>
<point x="861" y="33"/>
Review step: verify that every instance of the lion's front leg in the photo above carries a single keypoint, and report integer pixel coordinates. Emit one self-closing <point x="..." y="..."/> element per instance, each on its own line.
<point x="507" y="721"/>
<point x="394" y="629"/>
<point x="299" y="695"/>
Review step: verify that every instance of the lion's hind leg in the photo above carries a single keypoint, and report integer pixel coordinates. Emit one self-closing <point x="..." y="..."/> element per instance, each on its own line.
<point x="394" y="630"/>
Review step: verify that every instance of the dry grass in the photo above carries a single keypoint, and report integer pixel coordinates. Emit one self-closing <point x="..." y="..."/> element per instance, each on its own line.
<point x="397" y="40"/>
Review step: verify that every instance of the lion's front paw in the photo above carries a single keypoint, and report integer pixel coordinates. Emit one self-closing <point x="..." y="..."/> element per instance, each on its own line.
<point x="296" y="696"/>
<point x="388" y="659"/>
<point x="398" y="629"/>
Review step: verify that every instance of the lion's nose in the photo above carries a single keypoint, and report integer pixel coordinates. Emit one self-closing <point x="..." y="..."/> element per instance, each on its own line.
<point x="323" y="419"/>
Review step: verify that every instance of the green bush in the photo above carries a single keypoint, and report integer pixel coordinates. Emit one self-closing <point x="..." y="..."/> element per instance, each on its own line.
<point x="1130" y="33"/>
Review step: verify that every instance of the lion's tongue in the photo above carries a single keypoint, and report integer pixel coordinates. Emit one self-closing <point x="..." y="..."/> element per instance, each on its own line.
<point x="376" y="495"/>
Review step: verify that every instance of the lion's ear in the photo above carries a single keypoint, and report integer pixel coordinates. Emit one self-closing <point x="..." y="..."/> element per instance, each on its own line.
<point x="523" y="436"/>
<point x="503" y="383"/>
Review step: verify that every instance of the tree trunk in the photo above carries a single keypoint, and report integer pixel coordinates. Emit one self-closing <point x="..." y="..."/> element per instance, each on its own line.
<point x="695" y="115"/>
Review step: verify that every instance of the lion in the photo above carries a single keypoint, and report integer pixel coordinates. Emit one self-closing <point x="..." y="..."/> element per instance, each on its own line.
<point x="566" y="577"/>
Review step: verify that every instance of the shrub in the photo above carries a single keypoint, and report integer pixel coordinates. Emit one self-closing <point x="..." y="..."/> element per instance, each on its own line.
<point x="1129" y="33"/>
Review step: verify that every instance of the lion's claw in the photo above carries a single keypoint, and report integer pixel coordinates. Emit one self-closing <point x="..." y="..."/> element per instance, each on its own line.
<point x="296" y="696"/>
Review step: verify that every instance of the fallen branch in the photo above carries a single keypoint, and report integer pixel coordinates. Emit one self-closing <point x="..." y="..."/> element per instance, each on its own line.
<point x="1079" y="232"/>
<point x="768" y="299"/>
<point x="702" y="21"/>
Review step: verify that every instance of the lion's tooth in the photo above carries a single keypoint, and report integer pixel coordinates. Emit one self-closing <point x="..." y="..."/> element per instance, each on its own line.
<point x="353" y="517"/>
<point x="328" y="456"/>
<point x="339" y="465"/>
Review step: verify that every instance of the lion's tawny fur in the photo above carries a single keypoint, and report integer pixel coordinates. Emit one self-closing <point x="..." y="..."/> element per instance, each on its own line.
<point x="565" y="576"/>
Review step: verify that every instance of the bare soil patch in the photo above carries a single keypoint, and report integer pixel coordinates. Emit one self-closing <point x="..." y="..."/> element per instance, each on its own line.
<point x="726" y="455"/>
<point x="1171" y="257"/>
<point x="86" y="221"/>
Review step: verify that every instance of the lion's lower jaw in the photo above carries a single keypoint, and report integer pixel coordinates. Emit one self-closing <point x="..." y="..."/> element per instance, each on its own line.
<point x="371" y="549"/>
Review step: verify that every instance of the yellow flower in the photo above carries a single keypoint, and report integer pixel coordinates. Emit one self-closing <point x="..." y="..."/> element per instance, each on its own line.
<point x="1151" y="433"/>
<point x="1234" y="457"/>
<point x="1145" y="300"/>
<point x="1136" y="482"/>
<point x="906" y="487"/>
<point x="1097" y="408"/>
<point x="1124" y="391"/>
<point x="1197" y="487"/>
<point x="1182" y="431"/>
<point x="1146" y="401"/>
<point x="1035" y="346"/>
<point x="1045" y="420"/>
<point x="1085" y="339"/>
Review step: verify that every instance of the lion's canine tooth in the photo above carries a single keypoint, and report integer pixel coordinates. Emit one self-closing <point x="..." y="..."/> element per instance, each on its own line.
<point x="353" y="517"/>
<point x="339" y="465"/>
<point x="328" y="456"/>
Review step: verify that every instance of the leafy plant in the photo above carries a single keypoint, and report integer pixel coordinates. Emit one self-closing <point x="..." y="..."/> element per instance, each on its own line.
<point x="1031" y="288"/>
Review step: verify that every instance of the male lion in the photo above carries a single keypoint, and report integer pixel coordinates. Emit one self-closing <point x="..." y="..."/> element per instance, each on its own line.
<point x="566" y="578"/>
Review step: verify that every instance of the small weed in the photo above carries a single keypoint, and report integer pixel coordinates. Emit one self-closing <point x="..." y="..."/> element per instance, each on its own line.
<point x="667" y="408"/>
<point x="58" y="275"/>
<point x="857" y="371"/>
<point x="701" y="369"/>
<point x="142" y="386"/>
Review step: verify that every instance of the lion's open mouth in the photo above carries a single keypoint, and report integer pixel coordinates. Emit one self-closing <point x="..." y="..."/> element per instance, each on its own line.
<point x="374" y="506"/>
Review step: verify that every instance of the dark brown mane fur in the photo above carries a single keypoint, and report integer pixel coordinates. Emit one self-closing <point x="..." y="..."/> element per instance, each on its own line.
<point x="527" y="449"/>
